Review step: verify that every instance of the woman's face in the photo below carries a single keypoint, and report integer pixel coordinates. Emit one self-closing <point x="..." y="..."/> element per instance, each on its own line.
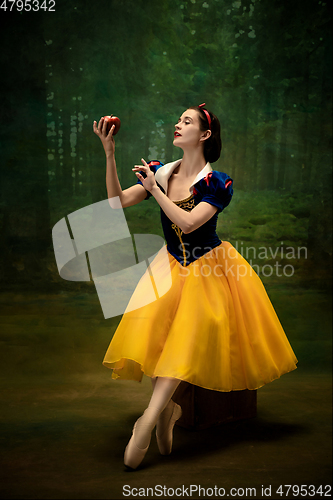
<point x="188" y="133"/>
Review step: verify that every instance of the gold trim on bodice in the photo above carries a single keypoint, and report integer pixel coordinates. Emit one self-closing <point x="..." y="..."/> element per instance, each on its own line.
<point x="186" y="204"/>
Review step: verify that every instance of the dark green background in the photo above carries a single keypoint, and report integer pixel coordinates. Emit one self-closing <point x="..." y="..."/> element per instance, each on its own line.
<point x="263" y="67"/>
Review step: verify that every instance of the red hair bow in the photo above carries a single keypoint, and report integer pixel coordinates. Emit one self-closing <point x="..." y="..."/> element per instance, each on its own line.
<point x="201" y="106"/>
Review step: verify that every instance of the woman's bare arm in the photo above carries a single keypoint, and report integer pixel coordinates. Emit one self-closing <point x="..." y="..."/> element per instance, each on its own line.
<point x="134" y="194"/>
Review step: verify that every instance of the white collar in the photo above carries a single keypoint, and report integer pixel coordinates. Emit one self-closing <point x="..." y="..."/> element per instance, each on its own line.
<point x="163" y="174"/>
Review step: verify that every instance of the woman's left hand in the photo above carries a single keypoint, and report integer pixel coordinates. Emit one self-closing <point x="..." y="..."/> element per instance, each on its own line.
<point x="149" y="182"/>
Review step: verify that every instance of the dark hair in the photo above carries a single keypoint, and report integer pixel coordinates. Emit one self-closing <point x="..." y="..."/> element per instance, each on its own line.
<point x="212" y="145"/>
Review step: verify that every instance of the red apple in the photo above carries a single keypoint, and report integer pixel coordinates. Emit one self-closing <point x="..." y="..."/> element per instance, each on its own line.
<point x="112" y="120"/>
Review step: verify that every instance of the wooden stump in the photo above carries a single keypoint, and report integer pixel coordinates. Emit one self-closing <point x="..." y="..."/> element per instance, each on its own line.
<point x="203" y="408"/>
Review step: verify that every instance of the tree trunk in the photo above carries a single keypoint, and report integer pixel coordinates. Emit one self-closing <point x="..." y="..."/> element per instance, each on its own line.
<point x="306" y="142"/>
<point x="319" y="263"/>
<point x="268" y="157"/>
<point x="243" y="139"/>
<point x="169" y="148"/>
<point x="283" y="152"/>
<point x="27" y="233"/>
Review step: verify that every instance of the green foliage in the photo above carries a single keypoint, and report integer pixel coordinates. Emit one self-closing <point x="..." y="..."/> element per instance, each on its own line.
<point x="263" y="67"/>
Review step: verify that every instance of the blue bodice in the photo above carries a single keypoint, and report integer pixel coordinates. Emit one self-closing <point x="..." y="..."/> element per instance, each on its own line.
<point x="215" y="188"/>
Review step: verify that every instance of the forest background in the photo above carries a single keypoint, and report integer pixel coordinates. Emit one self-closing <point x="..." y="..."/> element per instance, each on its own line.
<point x="264" y="67"/>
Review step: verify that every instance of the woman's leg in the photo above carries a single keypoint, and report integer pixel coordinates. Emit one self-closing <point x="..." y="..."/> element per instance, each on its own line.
<point x="165" y="423"/>
<point x="153" y="381"/>
<point x="138" y="445"/>
<point x="170" y="403"/>
<point x="164" y="389"/>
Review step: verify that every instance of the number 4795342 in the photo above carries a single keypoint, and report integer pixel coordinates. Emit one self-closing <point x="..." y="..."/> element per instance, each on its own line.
<point x="28" y="5"/>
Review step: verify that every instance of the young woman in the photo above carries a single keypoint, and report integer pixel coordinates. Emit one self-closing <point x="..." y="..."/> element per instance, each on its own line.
<point x="215" y="327"/>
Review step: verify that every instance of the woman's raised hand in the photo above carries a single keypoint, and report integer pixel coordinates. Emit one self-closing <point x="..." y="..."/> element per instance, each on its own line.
<point x="149" y="182"/>
<point x="106" y="138"/>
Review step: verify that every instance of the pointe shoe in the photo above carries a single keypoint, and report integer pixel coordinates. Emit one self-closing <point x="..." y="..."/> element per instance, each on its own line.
<point x="133" y="455"/>
<point x="164" y="430"/>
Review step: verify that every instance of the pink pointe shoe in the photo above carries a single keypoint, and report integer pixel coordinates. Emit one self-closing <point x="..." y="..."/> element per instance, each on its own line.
<point x="164" y="428"/>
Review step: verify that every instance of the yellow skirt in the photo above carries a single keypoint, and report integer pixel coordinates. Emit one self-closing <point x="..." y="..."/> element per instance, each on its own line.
<point x="215" y="327"/>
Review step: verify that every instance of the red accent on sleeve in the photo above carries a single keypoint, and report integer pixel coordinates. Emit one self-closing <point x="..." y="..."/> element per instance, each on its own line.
<point x="154" y="163"/>
<point x="228" y="183"/>
<point x="195" y="192"/>
<point x="208" y="176"/>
